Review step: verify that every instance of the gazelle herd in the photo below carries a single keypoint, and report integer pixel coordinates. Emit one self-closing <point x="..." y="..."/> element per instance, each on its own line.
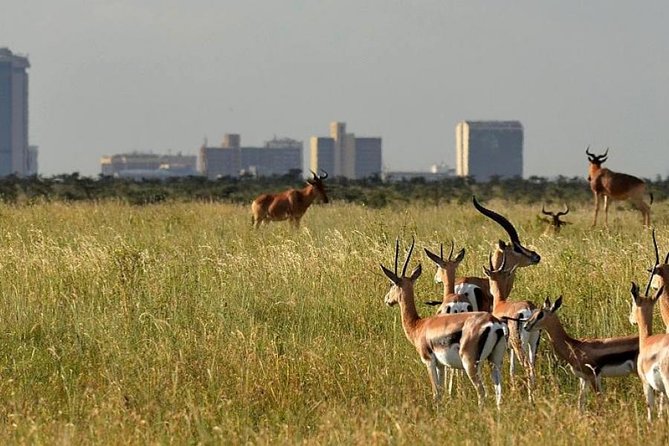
<point x="477" y="318"/>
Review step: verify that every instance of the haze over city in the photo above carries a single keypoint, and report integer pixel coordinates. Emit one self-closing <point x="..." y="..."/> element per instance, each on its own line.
<point x="110" y="77"/>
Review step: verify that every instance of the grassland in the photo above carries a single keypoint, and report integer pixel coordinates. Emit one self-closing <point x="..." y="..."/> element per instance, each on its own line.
<point x="177" y="323"/>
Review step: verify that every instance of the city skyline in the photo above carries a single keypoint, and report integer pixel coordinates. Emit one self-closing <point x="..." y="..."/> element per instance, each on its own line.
<point x="161" y="76"/>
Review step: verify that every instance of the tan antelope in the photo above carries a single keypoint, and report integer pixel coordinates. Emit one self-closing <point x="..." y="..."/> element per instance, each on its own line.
<point x="554" y="223"/>
<point x="588" y="359"/>
<point x="615" y="186"/>
<point x="516" y="255"/>
<point x="526" y="349"/>
<point x="660" y="278"/>
<point x="653" y="360"/>
<point x="453" y="302"/>
<point x="289" y="205"/>
<point x="460" y="341"/>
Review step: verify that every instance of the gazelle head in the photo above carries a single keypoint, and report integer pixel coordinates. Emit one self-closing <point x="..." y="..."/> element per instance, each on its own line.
<point x="540" y="316"/>
<point x="445" y="266"/>
<point x="642" y="305"/>
<point x="555" y="224"/>
<point x="514" y="252"/>
<point x="597" y="160"/>
<point x="402" y="286"/>
<point x="317" y="182"/>
<point x="659" y="271"/>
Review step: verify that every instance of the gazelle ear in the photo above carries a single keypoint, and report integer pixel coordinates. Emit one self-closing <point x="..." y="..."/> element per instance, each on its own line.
<point x="556" y="306"/>
<point x="501" y="244"/>
<point x="415" y="274"/>
<point x="635" y="293"/>
<point x="391" y="275"/>
<point x="432" y="256"/>
<point x="547" y="303"/>
<point x="658" y="294"/>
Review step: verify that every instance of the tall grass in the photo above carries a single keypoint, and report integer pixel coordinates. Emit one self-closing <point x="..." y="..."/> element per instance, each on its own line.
<point x="178" y="323"/>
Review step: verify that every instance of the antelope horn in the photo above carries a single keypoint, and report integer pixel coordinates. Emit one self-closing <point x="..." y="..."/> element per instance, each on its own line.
<point x="606" y="152"/>
<point x="543" y="211"/>
<point x="502" y="221"/>
<point x="441" y="251"/>
<point x="587" y="151"/>
<point x="324" y="176"/>
<point x="657" y="251"/>
<point x="313" y="173"/>
<point x="397" y="251"/>
<point x="565" y="212"/>
<point x="406" y="262"/>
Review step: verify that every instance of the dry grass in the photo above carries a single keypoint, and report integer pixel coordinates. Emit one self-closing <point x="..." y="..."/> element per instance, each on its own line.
<point x="178" y="323"/>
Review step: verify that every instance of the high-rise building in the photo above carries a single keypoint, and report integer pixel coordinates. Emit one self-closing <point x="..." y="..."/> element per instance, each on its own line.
<point x="485" y="149"/>
<point x="278" y="156"/>
<point x="342" y="154"/>
<point x="16" y="155"/>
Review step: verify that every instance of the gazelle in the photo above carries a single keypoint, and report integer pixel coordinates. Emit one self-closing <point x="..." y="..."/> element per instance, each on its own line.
<point x="589" y="359"/>
<point x="615" y="186"/>
<point x="289" y="205"/>
<point x="526" y="349"/>
<point x="461" y="341"/>
<point x="653" y="360"/>
<point x="660" y="277"/>
<point x="453" y="302"/>
<point x="554" y="223"/>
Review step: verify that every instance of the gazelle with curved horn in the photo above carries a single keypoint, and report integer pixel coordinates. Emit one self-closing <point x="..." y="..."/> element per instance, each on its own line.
<point x="554" y="222"/>
<point x="653" y="360"/>
<point x="452" y="302"/>
<point x="289" y="205"/>
<point x="588" y="359"/>
<point x="461" y="341"/>
<point x="526" y="349"/>
<point x="615" y="186"/>
<point x="659" y="276"/>
<point x="516" y="255"/>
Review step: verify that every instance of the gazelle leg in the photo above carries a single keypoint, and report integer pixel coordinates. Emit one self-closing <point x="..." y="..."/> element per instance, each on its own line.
<point x="497" y="383"/>
<point x="472" y="370"/>
<point x="582" y="388"/>
<point x="433" y="373"/>
<point x="594" y="222"/>
<point x="650" y="400"/>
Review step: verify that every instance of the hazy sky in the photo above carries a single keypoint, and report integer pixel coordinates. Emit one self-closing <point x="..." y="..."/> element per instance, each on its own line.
<point x="160" y="75"/>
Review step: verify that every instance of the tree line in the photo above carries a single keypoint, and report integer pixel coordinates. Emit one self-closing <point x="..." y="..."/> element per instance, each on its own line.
<point x="371" y="192"/>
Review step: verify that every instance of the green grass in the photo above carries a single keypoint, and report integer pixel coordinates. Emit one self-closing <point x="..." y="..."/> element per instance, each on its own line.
<point x="177" y="323"/>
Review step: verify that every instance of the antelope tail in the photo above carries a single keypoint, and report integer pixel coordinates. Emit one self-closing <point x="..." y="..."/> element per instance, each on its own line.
<point x="651" y="197"/>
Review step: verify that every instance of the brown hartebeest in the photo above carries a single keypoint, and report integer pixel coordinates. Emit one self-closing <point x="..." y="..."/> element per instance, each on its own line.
<point x="554" y="222"/>
<point x="289" y="205"/>
<point x="615" y="186"/>
<point x="589" y="359"/>
<point x="653" y="362"/>
<point x="461" y="341"/>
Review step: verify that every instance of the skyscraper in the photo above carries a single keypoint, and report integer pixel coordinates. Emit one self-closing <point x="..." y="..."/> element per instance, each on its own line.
<point x="342" y="154"/>
<point x="16" y="155"/>
<point x="489" y="148"/>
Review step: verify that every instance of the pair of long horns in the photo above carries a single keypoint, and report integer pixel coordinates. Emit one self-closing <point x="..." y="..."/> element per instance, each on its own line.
<point x="319" y="177"/>
<point x="502" y="221"/>
<point x="596" y="158"/>
<point x="657" y="262"/>
<point x="397" y="254"/>
<point x="559" y="214"/>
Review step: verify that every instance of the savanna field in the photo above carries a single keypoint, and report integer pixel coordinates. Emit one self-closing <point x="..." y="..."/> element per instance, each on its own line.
<point x="179" y="323"/>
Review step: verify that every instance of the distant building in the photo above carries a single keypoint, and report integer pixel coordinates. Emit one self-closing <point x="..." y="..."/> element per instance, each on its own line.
<point x="278" y="156"/>
<point x="148" y="165"/>
<point x="437" y="172"/>
<point x="342" y="154"/>
<point x="489" y="148"/>
<point x="16" y="155"/>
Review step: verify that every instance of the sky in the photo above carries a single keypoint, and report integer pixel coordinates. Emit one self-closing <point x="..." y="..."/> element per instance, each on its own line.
<point x="115" y="76"/>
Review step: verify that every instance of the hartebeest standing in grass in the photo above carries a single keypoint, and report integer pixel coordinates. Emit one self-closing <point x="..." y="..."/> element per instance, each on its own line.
<point x="554" y="222"/>
<point x="289" y="205"/>
<point x="615" y="186"/>
<point x="653" y="360"/>
<point x="461" y="341"/>
<point x="589" y="359"/>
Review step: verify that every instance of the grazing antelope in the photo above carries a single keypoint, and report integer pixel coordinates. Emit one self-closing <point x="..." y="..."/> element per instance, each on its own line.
<point x="554" y="222"/>
<point x="453" y="302"/>
<point x="615" y="186"/>
<point x="653" y="360"/>
<point x="461" y="341"/>
<point x="589" y="359"/>
<point x="526" y="349"/>
<point x="289" y="205"/>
